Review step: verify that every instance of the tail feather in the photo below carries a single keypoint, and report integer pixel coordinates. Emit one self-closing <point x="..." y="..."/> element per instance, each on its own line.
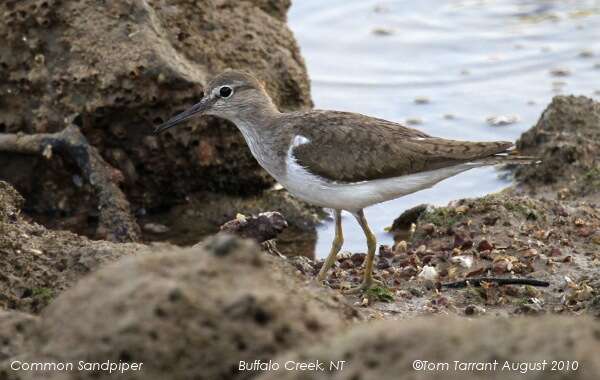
<point x="509" y="159"/>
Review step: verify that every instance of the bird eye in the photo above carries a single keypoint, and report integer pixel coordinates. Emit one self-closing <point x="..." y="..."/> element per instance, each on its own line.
<point x="225" y="91"/>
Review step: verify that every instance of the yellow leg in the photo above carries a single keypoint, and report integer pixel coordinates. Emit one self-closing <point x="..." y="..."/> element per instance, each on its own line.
<point x="368" y="280"/>
<point x="338" y="240"/>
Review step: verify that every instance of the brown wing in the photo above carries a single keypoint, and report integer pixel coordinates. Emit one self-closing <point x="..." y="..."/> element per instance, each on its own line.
<point x="348" y="147"/>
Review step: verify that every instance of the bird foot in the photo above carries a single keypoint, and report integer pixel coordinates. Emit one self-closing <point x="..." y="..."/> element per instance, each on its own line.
<point x="364" y="286"/>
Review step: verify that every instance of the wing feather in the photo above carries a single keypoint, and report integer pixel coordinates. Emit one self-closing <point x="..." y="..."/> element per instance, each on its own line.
<point x="348" y="147"/>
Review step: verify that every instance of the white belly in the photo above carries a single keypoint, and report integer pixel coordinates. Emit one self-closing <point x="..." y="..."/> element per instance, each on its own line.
<point x="344" y="196"/>
<point x="358" y="195"/>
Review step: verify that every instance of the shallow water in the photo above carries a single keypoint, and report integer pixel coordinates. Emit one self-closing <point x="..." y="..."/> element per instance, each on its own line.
<point x="465" y="60"/>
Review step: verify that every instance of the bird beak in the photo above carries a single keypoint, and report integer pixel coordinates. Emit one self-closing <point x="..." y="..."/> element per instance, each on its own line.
<point x="196" y="109"/>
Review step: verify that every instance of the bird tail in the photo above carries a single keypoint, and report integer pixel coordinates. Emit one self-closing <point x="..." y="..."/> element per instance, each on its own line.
<point x="510" y="157"/>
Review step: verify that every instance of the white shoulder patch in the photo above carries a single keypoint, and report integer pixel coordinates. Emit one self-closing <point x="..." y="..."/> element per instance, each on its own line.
<point x="299" y="140"/>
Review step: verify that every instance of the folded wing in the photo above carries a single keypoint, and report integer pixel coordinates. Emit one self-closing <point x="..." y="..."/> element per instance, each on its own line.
<point x="347" y="147"/>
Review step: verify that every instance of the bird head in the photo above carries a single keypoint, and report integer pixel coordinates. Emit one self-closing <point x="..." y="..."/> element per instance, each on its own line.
<point x="232" y="95"/>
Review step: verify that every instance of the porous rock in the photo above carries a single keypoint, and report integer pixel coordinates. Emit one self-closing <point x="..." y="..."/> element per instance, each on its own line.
<point x="14" y="329"/>
<point x="389" y="349"/>
<point x="566" y="140"/>
<point x="119" y="68"/>
<point x="185" y="314"/>
<point x="37" y="264"/>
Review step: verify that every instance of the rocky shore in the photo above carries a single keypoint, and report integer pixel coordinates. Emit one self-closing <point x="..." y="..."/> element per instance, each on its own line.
<point x="226" y="300"/>
<point x="199" y="312"/>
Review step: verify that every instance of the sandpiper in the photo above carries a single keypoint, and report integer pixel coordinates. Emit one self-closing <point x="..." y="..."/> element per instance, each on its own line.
<point x="338" y="160"/>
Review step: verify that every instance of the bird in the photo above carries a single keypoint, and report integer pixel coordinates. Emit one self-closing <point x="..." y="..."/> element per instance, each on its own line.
<point x="337" y="160"/>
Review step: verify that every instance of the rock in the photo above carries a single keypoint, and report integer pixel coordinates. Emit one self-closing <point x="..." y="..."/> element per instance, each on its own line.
<point x="462" y="260"/>
<point x="121" y="68"/>
<point x="529" y="308"/>
<point x="563" y="154"/>
<point x="10" y="202"/>
<point x="429" y="273"/>
<point x="485" y="245"/>
<point x="203" y="213"/>
<point x="346" y="264"/>
<point x="38" y="264"/>
<point x="414" y="121"/>
<point x="262" y="227"/>
<point x="380" y="31"/>
<point x="14" y="328"/>
<point x="408" y="217"/>
<point x="428" y="228"/>
<point x="358" y="258"/>
<point x="472" y="310"/>
<point x="502" y="266"/>
<point x="156" y="228"/>
<point x="555" y="252"/>
<point x="386" y="251"/>
<point x="391" y="349"/>
<point x="401" y="247"/>
<point x="382" y="263"/>
<point x="462" y="241"/>
<point x="502" y="120"/>
<point x="302" y="263"/>
<point x="560" y="72"/>
<point x="185" y="313"/>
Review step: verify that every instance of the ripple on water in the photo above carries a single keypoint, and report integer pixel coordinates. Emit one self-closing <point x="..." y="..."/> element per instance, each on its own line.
<point x="476" y="58"/>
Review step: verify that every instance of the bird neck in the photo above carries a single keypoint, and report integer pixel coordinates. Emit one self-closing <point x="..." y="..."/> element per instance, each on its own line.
<point x="259" y="114"/>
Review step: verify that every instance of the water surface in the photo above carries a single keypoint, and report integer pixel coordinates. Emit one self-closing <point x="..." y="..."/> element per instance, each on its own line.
<point x="446" y="66"/>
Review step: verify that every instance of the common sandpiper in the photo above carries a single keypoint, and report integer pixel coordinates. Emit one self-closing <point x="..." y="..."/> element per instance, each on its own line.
<point x="338" y="160"/>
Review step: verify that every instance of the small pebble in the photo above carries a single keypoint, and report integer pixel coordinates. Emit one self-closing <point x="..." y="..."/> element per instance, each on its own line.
<point x="414" y="121"/>
<point x="401" y="247"/>
<point x="498" y="121"/>
<point x="485" y="245"/>
<point x="422" y="100"/>
<point x="77" y="181"/>
<point x="449" y="116"/>
<point x="558" y="84"/>
<point x="560" y="72"/>
<point x="156" y="228"/>
<point x="587" y="53"/>
<point x="464" y="261"/>
<point x="380" y="8"/>
<point x="47" y="153"/>
<point x="383" y="31"/>
<point x="358" y="258"/>
<point x="429" y="273"/>
<point x="474" y="310"/>
<point x="383" y="263"/>
<point x="428" y="228"/>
